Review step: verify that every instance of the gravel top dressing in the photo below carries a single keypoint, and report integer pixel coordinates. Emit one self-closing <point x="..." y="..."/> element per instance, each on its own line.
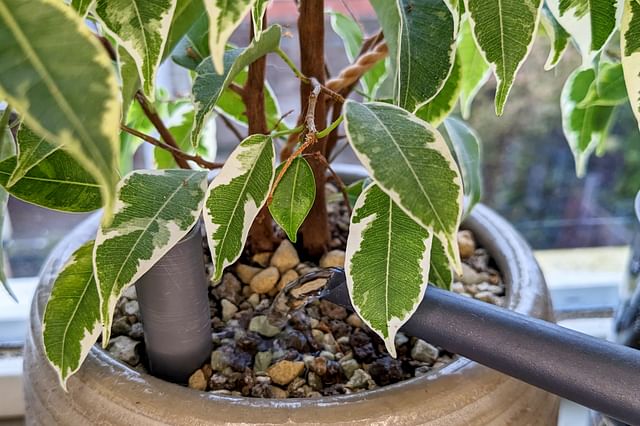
<point x="322" y="349"/>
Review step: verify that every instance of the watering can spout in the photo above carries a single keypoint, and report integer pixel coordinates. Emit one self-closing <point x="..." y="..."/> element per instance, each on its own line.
<point x="593" y="372"/>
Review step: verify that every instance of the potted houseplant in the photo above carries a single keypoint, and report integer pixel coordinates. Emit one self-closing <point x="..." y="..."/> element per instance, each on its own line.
<point x="77" y="93"/>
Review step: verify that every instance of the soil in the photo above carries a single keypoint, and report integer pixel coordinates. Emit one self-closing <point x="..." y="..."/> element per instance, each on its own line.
<point x="321" y="349"/>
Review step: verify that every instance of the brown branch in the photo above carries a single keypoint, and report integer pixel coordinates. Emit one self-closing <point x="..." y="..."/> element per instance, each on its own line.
<point x="232" y="128"/>
<point x="165" y="134"/>
<point x="282" y="117"/>
<point x="175" y="151"/>
<point x="237" y="89"/>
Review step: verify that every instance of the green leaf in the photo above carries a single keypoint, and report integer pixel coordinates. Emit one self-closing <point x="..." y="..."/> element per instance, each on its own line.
<point x="438" y="108"/>
<point x="387" y="267"/>
<point x="293" y="197"/>
<point x="224" y="16"/>
<point x="193" y="48"/>
<point x="187" y="12"/>
<point x="71" y="324"/>
<point x="426" y="26"/>
<point x="388" y="13"/>
<point x="465" y="143"/>
<point x="32" y="150"/>
<point x="81" y="6"/>
<point x="257" y="13"/>
<point x="353" y="192"/>
<point x="440" y="273"/>
<point x="584" y="128"/>
<point x="129" y="79"/>
<point x="608" y="89"/>
<point x="473" y="68"/>
<point x="630" y="45"/>
<point x="234" y="198"/>
<point x="558" y="38"/>
<point x="351" y="34"/>
<point x="230" y="103"/>
<point x="504" y="31"/>
<point x="589" y="22"/>
<point x="411" y="162"/>
<point x="209" y="84"/>
<point x="57" y="182"/>
<point x="155" y="209"/>
<point x="62" y="82"/>
<point x="141" y="27"/>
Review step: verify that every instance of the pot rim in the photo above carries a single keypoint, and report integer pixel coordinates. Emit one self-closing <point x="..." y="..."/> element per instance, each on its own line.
<point x="508" y="249"/>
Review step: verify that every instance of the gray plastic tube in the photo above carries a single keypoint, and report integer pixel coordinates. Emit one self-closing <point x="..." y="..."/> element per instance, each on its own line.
<point x="174" y="307"/>
<point x="590" y="371"/>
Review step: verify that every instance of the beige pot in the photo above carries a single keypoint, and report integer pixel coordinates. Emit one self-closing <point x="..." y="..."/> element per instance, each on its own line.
<point x="107" y="392"/>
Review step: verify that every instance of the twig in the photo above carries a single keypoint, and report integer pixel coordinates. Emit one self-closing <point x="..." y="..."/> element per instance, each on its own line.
<point x="282" y="117"/>
<point x="175" y="151"/>
<point x="165" y="134"/>
<point x="337" y="179"/>
<point x="111" y="51"/>
<point x="229" y="124"/>
<point x="237" y="88"/>
<point x="339" y="150"/>
<point x="331" y="93"/>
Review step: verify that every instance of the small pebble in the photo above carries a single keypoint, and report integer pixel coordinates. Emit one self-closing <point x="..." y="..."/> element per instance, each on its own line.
<point x="471" y="276"/>
<point x="265" y="280"/>
<point x="332" y="310"/>
<point x="137" y="331"/>
<point x="466" y="244"/>
<point x="278" y="393"/>
<point x="130" y="292"/>
<point x="262" y="361"/>
<point x="359" y="379"/>
<point x="354" y="320"/>
<point x="285" y="256"/>
<point x="349" y="367"/>
<point x="283" y="372"/>
<point x="125" y="349"/>
<point x="254" y="299"/>
<point x="262" y="258"/>
<point x="286" y="278"/>
<point x="228" y="309"/>
<point x="424" y="352"/>
<point x="132" y="308"/>
<point x="333" y="259"/>
<point x="457" y="287"/>
<point x="262" y="326"/>
<point x="246" y="272"/>
<point x="198" y="381"/>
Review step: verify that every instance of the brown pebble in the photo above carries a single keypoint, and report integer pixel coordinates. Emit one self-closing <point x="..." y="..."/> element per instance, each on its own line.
<point x="262" y="258"/>
<point x="333" y="259"/>
<point x="285" y="256"/>
<point x="246" y="272"/>
<point x="354" y="321"/>
<point x="466" y="244"/>
<point x="283" y="372"/>
<point x="198" y="381"/>
<point x="265" y="280"/>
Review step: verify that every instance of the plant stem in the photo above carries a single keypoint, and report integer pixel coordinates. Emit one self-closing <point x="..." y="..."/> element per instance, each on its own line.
<point x="166" y="135"/>
<point x="315" y="229"/>
<point x="330" y="128"/>
<point x="175" y="151"/>
<point x="287" y="60"/>
<point x="233" y="129"/>
<point x="281" y="133"/>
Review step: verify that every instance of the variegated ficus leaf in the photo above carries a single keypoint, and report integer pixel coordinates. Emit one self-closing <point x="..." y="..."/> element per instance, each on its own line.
<point x="187" y="12"/>
<point x="440" y="273"/>
<point x="465" y="144"/>
<point x="630" y="46"/>
<point x="32" y="149"/>
<point x="224" y="17"/>
<point x="438" y="108"/>
<point x="234" y="198"/>
<point x="209" y="83"/>
<point x="141" y="27"/>
<point x="411" y="162"/>
<point x="7" y="149"/>
<point x="589" y="22"/>
<point x="388" y="14"/>
<point x="257" y="13"/>
<point x="56" y="182"/>
<point x="504" y="30"/>
<point x="293" y="197"/>
<point x="193" y="48"/>
<point x="426" y="26"/>
<point x="387" y="267"/>
<point x="473" y="68"/>
<point x="585" y="128"/>
<point x="155" y="209"/>
<point x="71" y="324"/>
<point x="558" y="38"/>
<point x="72" y="102"/>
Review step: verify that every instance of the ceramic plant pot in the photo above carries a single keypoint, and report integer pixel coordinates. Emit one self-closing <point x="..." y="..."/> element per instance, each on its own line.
<point x="105" y="391"/>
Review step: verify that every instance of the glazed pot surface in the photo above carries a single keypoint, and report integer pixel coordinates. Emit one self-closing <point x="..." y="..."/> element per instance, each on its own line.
<point x="105" y="391"/>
